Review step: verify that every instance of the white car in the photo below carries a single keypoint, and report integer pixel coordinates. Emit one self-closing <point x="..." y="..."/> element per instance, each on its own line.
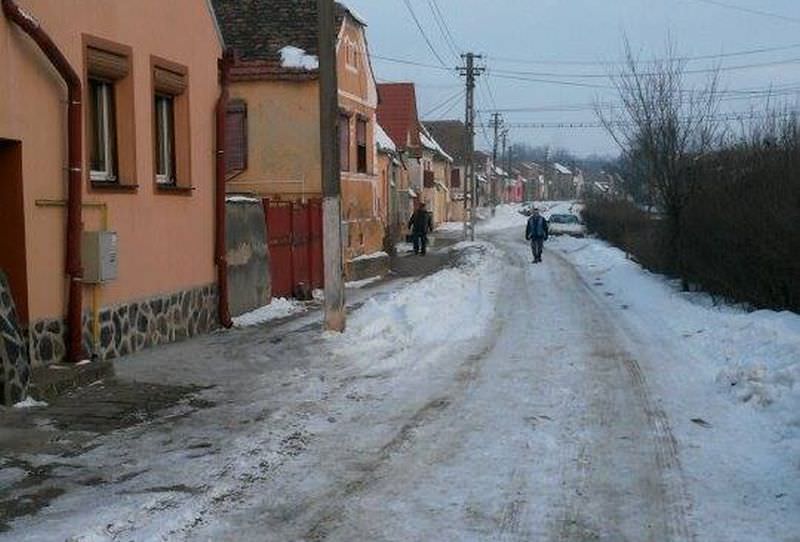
<point x="566" y="224"/>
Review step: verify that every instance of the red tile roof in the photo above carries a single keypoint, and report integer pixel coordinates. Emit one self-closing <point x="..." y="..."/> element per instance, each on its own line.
<point x="397" y="113"/>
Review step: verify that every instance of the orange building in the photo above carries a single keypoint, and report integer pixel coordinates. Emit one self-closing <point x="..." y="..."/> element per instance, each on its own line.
<point x="122" y="187"/>
<point x="275" y="115"/>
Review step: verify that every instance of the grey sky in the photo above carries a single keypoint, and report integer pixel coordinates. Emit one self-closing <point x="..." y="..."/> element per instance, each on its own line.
<point x="557" y="31"/>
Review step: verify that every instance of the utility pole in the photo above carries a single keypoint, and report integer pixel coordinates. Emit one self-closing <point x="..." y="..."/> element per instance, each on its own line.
<point x="496" y="123"/>
<point x="504" y="161"/>
<point x="331" y="170"/>
<point x="470" y="72"/>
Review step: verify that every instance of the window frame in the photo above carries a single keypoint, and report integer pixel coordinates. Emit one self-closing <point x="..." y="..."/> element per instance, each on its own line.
<point x="345" y="142"/>
<point x="164" y="106"/>
<point x="170" y="84"/>
<point x="362" y="147"/>
<point x="110" y="64"/>
<point x="102" y="115"/>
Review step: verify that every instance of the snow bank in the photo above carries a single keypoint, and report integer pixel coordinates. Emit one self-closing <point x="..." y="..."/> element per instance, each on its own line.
<point x="294" y="57"/>
<point x="30" y="403"/>
<point x="753" y="356"/>
<point x="357" y="284"/>
<point x="279" y="308"/>
<point x="373" y="256"/>
<point x="505" y="217"/>
<point x="459" y="301"/>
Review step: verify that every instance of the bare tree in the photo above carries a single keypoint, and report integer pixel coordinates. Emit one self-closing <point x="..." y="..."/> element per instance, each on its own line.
<point x="663" y="127"/>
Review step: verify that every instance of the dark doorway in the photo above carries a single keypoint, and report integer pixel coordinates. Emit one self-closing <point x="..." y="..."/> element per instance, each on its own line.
<point x="12" y="225"/>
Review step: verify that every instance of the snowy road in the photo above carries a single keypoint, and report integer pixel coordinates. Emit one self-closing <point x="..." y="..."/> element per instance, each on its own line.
<point x="494" y="401"/>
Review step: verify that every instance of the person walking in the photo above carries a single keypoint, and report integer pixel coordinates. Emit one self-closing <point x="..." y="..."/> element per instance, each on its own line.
<point x="537" y="231"/>
<point x="420" y="225"/>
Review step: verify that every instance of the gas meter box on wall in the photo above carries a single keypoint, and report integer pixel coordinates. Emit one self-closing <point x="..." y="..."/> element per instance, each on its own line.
<point x="99" y="255"/>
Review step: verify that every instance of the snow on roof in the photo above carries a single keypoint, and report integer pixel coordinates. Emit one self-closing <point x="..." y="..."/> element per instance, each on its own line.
<point x="294" y="57"/>
<point x="382" y="139"/>
<point x="499" y="171"/>
<point x="429" y="143"/>
<point x="354" y="14"/>
<point x="562" y="169"/>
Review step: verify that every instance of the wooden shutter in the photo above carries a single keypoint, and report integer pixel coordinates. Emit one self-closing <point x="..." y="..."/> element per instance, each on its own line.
<point x="455" y="178"/>
<point x="236" y="138"/>
<point x="428" y="179"/>
<point x="169" y="82"/>
<point x="344" y="142"/>
<point x="107" y="65"/>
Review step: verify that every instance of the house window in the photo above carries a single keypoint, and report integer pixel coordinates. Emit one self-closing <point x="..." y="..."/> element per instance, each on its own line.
<point x="171" y="130"/>
<point x="165" y="139"/>
<point x="236" y="138"/>
<point x="103" y="131"/>
<point x="361" y="142"/>
<point x="109" y="115"/>
<point x="344" y="142"/>
<point x="455" y="178"/>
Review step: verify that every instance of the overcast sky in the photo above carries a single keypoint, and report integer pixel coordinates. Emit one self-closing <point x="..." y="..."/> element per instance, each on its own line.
<point x="572" y="39"/>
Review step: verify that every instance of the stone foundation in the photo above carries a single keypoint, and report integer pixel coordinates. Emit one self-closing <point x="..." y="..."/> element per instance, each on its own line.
<point x="15" y="369"/>
<point x="131" y="327"/>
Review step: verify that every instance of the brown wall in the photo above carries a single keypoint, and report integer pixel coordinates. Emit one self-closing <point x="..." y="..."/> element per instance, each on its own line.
<point x="165" y="239"/>
<point x="12" y="224"/>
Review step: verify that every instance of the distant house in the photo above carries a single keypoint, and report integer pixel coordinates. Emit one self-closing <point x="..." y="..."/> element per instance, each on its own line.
<point x="274" y="116"/>
<point x="452" y="135"/>
<point x="394" y="181"/>
<point x="428" y="163"/>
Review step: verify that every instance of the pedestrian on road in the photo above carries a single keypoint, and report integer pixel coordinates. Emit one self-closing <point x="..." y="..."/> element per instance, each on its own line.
<point x="537" y="231"/>
<point x="420" y="225"/>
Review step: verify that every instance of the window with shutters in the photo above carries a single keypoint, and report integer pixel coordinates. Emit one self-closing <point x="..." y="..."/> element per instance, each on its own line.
<point x="455" y="178"/>
<point x="171" y="130"/>
<point x="344" y="142"/>
<point x="236" y="138"/>
<point x="361" y="145"/>
<point x="110" y="133"/>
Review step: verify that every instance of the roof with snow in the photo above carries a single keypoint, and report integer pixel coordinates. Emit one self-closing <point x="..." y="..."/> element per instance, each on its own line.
<point x="382" y="139"/>
<point x="397" y="113"/>
<point x="451" y="135"/>
<point x="562" y="169"/>
<point x="261" y="32"/>
<point x="431" y="144"/>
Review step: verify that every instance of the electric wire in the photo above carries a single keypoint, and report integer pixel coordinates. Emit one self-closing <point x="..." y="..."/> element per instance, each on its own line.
<point x="423" y="33"/>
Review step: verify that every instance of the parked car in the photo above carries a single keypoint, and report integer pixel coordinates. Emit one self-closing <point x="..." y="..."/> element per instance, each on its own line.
<point x="566" y="224"/>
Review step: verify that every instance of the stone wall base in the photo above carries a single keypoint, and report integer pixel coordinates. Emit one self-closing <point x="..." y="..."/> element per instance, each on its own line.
<point x="15" y="369"/>
<point x="131" y="327"/>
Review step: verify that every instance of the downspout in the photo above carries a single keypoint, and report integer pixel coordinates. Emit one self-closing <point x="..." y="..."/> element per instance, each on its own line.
<point x="74" y="270"/>
<point x="220" y="250"/>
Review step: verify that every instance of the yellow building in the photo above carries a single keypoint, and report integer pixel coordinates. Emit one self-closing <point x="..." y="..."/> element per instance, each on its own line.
<point x="275" y="109"/>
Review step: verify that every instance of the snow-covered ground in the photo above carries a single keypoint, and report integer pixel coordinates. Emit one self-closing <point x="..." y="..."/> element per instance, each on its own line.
<point x="579" y="399"/>
<point x="279" y="307"/>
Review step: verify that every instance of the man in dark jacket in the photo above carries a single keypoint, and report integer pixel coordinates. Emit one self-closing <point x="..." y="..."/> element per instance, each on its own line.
<point x="537" y="232"/>
<point x="420" y="224"/>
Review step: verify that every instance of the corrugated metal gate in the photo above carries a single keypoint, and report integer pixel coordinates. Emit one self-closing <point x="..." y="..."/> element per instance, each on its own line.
<point x="294" y="231"/>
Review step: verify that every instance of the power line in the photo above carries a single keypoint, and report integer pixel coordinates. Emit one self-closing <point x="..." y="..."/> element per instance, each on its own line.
<point x="422" y="32"/>
<point x="411" y="63"/>
<point x="444" y="103"/>
<point x="548" y="81"/>
<point x="750" y="10"/>
<point x="440" y="23"/>
<point x="718" y="56"/>
<point x="650" y="74"/>
<point x="446" y="26"/>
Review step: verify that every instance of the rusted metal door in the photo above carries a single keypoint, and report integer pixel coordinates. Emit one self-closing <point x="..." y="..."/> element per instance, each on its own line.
<point x="294" y="231"/>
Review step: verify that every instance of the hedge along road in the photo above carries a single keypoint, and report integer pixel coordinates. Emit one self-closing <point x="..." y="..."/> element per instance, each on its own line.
<point x="544" y="429"/>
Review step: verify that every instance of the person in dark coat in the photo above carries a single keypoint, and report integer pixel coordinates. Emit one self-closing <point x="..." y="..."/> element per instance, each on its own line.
<point x="420" y="225"/>
<point x="537" y="231"/>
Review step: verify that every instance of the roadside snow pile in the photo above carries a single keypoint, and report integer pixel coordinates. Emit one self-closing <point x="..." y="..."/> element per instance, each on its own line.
<point x="279" y="308"/>
<point x="450" y="226"/>
<point x="30" y="402"/>
<point x="294" y="57"/>
<point x="452" y="305"/>
<point x="754" y="357"/>
<point x="505" y="217"/>
<point x="357" y="284"/>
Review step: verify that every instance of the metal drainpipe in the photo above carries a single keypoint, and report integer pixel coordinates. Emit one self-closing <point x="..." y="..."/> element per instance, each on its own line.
<point x="74" y="270"/>
<point x="220" y="251"/>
